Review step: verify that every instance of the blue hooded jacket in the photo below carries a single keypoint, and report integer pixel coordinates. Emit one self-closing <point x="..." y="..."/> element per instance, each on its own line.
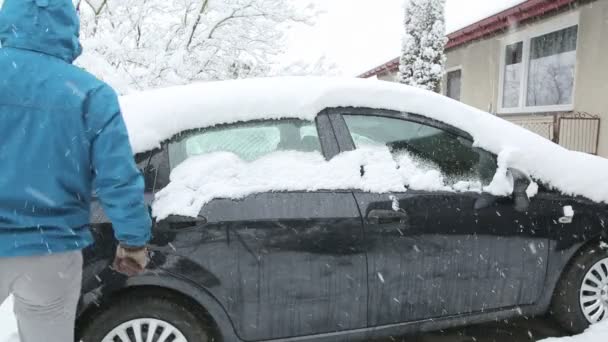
<point x="62" y="138"/>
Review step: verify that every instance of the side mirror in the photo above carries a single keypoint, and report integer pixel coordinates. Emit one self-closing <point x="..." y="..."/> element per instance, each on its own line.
<point x="521" y="182"/>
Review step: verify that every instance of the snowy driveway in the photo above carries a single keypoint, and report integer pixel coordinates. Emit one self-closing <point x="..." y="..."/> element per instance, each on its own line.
<point x="520" y="330"/>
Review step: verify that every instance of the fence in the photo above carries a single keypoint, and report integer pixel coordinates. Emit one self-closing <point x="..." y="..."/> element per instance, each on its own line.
<point x="579" y="134"/>
<point x="574" y="131"/>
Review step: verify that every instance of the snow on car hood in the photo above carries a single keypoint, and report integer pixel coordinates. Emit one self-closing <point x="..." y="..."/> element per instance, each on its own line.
<point x="157" y="115"/>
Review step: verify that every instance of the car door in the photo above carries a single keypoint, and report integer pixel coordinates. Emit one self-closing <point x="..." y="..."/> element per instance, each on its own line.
<point x="282" y="264"/>
<point x="431" y="253"/>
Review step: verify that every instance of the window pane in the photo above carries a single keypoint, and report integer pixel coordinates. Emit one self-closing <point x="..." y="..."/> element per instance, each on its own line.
<point x="552" y="64"/>
<point x="512" y="75"/>
<point x="454" y="83"/>
<point x="249" y="141"/>
<point x="454" y="156"/>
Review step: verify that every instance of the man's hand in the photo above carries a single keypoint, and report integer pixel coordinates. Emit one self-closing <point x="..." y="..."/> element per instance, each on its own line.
<point x="131" y="261"/>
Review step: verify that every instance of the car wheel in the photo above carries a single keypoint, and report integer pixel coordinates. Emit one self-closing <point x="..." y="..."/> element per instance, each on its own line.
<point x="581" y="297"/>
<point x="146" y="319"/>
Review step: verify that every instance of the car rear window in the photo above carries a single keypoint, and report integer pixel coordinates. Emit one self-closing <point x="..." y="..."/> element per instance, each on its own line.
<point x="249" y="141"/>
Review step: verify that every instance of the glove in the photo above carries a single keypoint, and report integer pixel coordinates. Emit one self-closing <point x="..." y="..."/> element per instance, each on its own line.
<point x="130" y="261"/>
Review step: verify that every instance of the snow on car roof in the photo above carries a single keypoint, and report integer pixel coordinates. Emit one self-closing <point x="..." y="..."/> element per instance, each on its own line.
<point x="157" y="115"/>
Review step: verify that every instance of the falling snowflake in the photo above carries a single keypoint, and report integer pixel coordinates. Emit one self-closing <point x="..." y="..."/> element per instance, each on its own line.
<point x="381" y="277"/>
<point x="395" y="204"/>
<point x="533" y="248"/>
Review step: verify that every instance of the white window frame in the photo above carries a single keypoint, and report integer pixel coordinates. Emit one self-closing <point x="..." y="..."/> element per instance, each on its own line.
<point x="526" y="36"/>
<point x="446" y="72"/>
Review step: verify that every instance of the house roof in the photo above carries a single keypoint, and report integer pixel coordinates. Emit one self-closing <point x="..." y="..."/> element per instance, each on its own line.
<point x="487" y="27"/>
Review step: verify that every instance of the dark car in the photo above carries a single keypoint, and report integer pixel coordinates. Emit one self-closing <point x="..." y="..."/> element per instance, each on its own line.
<point x="346" y="265"/>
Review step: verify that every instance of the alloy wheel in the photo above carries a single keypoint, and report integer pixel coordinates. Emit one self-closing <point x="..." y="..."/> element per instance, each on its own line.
<point x="594" y="292"/>
<point x="145" y="330"/>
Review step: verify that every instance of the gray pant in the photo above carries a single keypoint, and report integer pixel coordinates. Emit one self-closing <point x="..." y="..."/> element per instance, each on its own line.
<point x="46" y="291"/>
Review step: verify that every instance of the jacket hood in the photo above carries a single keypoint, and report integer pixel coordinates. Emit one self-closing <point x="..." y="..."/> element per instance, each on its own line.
<point x="47" y="26"/>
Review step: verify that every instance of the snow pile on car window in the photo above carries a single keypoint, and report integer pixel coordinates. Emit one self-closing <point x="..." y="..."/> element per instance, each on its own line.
<point x="596" y="333"/>
<point x="157" y="115"/>
<point x="200" y="179"/>
<point x="417" y="174"/>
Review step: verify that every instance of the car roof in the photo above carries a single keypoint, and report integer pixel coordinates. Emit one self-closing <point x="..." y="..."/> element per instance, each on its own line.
<point x="157" y="115"/>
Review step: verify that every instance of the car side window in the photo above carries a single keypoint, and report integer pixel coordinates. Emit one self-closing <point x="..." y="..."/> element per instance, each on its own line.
<point x="452" y="155"/>
<point x="249" y="141"/>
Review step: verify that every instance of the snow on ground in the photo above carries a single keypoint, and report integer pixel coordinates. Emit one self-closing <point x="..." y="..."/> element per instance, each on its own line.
<point x="8" y="329"/>
<point x="8" y="325"/>
<point x="596" y="333"/>
<point x="155" y="116"/>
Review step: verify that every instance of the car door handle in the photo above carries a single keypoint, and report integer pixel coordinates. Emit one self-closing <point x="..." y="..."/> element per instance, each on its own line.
<point x="383" y="216"/>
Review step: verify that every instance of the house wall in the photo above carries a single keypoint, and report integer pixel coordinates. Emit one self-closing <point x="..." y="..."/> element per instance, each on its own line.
<point x="388" y="76"/>
<point x="480" y="64"/>
<point x="591" y="93"/>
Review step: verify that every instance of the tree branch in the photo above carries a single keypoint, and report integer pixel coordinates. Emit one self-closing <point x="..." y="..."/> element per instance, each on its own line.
<point x="196" y="23"/>
<point x="98" y="10"/>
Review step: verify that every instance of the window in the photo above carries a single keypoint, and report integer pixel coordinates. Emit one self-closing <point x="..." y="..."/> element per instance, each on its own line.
<point x="538" y="70"/>
<point x="551" y="73"/>
<point x="452" y="155"/>
<point x="249" y="141"/>
<point x="453" y="85"/>
<point x="512" y="75"/>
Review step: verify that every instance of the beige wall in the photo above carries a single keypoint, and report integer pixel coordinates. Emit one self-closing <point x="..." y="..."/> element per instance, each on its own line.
<point x="480" y="68"/>
<point x="480" y="63"/>
<point x="591" y="93"/>
<point x="389" y="76"/>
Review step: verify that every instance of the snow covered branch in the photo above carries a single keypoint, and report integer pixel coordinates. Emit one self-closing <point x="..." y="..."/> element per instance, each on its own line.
<point x="151" y="43"/>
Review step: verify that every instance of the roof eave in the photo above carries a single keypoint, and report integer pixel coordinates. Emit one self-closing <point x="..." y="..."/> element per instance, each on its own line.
<point x="505" y="19"/>
<point x="486" y="27"/>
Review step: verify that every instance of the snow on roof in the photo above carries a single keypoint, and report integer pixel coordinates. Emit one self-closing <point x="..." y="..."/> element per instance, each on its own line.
<point x="157" y="115"/>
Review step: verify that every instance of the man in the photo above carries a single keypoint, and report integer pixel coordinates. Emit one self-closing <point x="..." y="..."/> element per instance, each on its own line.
<point x="62" y="138"/>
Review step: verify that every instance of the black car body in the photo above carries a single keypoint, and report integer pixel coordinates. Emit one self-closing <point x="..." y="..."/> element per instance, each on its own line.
<point x="345" y="265"/>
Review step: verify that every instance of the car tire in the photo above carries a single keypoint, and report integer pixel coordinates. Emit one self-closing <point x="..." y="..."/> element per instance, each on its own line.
<point x="159" y="314"/>
<point x="567" y="307"/>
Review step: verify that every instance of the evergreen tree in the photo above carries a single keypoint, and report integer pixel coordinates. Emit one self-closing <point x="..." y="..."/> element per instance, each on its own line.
<point x="423" y="58"/>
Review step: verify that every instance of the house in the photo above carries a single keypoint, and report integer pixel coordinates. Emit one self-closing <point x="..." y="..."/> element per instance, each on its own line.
<point x="542" y="64"/>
